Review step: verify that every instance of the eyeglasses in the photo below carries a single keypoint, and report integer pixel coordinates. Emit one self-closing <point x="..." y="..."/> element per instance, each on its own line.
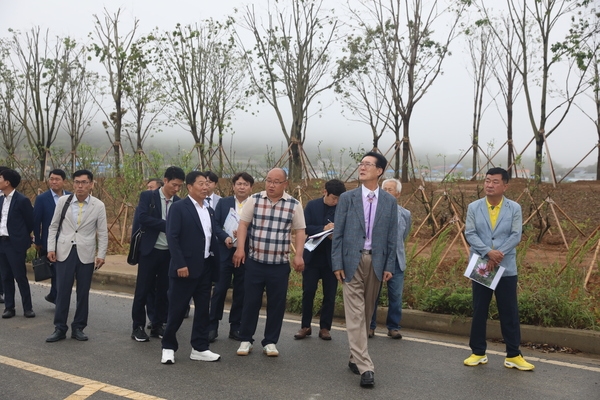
<point x="276" y="183"/>
<point x="366" y="164"/>
<point x="80" y="183"/>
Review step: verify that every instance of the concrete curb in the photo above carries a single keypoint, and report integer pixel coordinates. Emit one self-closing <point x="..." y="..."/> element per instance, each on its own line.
<point x="582" y="340"/>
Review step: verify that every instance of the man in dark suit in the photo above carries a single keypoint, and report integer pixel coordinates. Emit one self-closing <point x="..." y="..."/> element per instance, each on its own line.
<point x="43" y="210"/>
<point x="152" y="210"/>
<point x="193" y="268"/>
<point x="79" y="250"/>
<point x="319" y="215"/>
<point x="242" y="188"/>
<point x="2" y="168"/>
<point x="16" y="224"/>
<point x="363" y="255"/>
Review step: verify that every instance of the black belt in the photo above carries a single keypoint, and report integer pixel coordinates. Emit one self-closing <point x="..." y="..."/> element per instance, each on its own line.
<point x="365" y="251"/>
<point x="4" y="237"/>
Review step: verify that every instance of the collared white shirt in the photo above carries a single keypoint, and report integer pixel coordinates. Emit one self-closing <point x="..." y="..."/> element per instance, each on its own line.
<point x="206" y="224"/>
<point x="4" y="216"/>
<point x="56" y="196"/>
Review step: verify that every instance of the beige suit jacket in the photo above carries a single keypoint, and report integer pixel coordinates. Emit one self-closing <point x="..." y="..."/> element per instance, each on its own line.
<point x="91" y="231"/>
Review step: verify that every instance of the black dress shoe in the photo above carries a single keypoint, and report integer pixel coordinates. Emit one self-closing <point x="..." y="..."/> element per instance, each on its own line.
<point x="367" y="379"/>
<point x="56" y="336"/>
<point x="79" y="335"/>
<point x="353" y="367"/>
<point x="50" y="299"/>
<point x="8" y="313"/>
<point x="212" y="336"/>
<point x="1" y="299"/>
<point x="29" y="314"/>
<point x="235" y="335"/>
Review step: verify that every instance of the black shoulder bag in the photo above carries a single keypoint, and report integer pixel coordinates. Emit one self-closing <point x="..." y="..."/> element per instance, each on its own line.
<point x="136" y="239"/>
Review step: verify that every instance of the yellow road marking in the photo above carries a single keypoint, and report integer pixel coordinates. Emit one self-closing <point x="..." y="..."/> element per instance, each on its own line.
<point x="89" y="386"/>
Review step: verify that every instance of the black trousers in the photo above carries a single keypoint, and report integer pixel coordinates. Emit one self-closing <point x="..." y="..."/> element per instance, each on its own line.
<point x="310" y="280"/>
<point x="12" y="269"/>
<point x="508" y="310"/>
<point x="152" y="275"/>
<point x="181" y="290"/>
<point x="217" y="301"/>
<point x="67" y="272"/>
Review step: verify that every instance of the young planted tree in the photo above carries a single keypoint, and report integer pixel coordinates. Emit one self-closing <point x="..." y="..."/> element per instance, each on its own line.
<point x="79" y="108"/>
<point x="145" y="99"/>
<point x="11" y="132"/>
<point x="43" y="67"/>
<point x="200" y="78"/>
<point x="547" y="103"/>
<point x="291" y="62"/>
<point x="479" y="41"/>
<point x="405" y="38"/>
<point x="113" y="50"/>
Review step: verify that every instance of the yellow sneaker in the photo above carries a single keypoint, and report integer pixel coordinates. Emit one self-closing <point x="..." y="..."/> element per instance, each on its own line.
<point x="474" y="360"/>
<point x="519" y="363"/>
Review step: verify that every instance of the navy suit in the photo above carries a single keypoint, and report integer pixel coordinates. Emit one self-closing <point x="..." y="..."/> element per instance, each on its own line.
<point x="317" y="214"/>
<point x="153" y="264"/>
<point x="186" y="243"/>
<point x="13" y="249"/>
<point x="227" y="271"/>
<point x="43" y="210"/>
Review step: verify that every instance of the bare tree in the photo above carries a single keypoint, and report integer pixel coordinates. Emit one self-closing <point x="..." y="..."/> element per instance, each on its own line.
<point x="11" y="132"/>
<point x="114" y="52"/>
<point x="290" y="61"/>
<point x="411" y="52"/>
<point x="545" y="17"/>
<point x="200" y="76"/>
<point x="144" y="98"/>
<point x="79" y="107"/>
<point x="479" y="41"/>
<point x="365" y="90"/>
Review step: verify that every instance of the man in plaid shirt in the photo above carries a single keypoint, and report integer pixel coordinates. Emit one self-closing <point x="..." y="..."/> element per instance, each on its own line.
<point x="268" y="219"/>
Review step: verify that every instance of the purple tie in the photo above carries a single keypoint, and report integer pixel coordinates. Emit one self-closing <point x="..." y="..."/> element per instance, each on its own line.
<point x="370" y="198"/>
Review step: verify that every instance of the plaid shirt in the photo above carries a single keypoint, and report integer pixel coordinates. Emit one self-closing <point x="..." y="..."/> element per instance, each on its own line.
<point x="271" y="227"/>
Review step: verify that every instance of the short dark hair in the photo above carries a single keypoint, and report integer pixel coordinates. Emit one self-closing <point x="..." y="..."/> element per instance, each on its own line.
<point x="499" y="171"/>
<point x="11" y="176"/>
<point x="174" y="173"/>
<point x="3" y="167"/>
<point x="381" y="160"/>
<point x="190" y="178"/>
<point x="58" y="172"/>
<point x="84" y="172"/>
<point x="158" y="181"/>
<point x="243" y="175"/>
<point x="211" y="176"/>
<point x="335" y="187"/>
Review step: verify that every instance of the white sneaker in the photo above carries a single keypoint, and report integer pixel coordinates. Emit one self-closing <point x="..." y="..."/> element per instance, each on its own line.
<point x="270" y="350"/>
<point x="245" y="349"/>
<point x="205" y="355"/>
<point x="168" y="356"/>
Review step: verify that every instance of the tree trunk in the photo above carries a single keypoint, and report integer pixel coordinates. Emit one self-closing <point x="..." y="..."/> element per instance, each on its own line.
<point x="296" y="162"/>
<point x="405" y="149"/>
<point x="539" y="156"/>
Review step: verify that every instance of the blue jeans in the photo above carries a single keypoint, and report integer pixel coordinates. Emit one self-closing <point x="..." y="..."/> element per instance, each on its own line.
<point x="395" y="287"/>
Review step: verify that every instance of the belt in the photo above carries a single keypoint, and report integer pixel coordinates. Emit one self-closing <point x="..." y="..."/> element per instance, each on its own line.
<point x="365" y="251"/>
<point x="4" y="237"/>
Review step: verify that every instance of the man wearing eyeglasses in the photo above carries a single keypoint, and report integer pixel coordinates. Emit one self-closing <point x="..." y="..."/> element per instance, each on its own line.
<point x="363" y="254"/>
<point x="268" y="219"/>
<point x="74" y="252"/>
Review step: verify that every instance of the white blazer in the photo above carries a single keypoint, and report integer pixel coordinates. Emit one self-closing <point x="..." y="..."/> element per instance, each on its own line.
<point x="92" y="229"/>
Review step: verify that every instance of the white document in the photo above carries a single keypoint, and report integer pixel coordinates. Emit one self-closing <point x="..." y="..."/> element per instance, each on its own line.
<point x="477" y="271"/>
<point x="231" y="224"/>
<point x="316" y="239"/>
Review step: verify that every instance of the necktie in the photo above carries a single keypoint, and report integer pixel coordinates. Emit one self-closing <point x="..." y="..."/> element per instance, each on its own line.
<point x="370" y="198"/>
<point x="79" y="213"/>
<point x="167" y="201"/>
<point x="208" y="199"/>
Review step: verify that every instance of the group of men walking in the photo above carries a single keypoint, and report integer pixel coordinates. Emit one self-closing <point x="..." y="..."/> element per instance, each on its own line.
<point x="197" y="247"/>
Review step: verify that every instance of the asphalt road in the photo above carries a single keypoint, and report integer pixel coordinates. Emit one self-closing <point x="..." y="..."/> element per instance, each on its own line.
<point x="112" y="366"/>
